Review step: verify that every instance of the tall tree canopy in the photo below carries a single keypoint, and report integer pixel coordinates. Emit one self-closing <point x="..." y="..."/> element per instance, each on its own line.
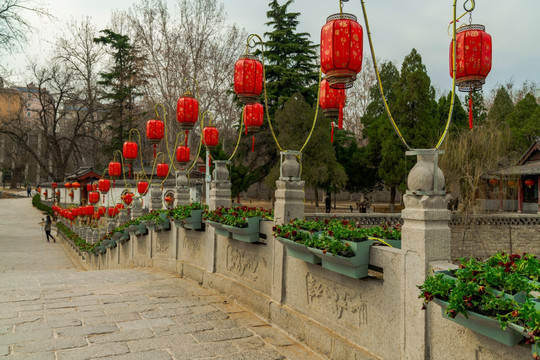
<point x="524" y="123"/>
<point x="502" y="106"/>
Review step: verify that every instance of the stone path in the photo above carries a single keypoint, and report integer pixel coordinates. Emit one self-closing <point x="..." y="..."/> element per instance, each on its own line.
<point x="52" y="309"/>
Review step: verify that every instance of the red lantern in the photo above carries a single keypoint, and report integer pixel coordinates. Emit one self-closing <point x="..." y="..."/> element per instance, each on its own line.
<point x="128" y="198"/>
<point x="473" y="57"/>
<point x="115" y="170"/>
<point x="210" y="137"/>
<point x="493" y="182"/>
<point x="332" y="101"/>
<point x="57" y="194"/>
<point x="67" y="185"/>
<point x="89" y="210"/>
<point x="112" y="211"/>
<point x="54" y="185"/>
<point x="187" y="111"/>
<point x="182" y="154"/>
<point x="341" y="50"/>
<point x="154" y="132"/>
<point x="129" y="151"/>
<point x="162" y="170"/>
<point x="511" y="183"/>
<point x="45" y="194"/>
<point x="120" y="206"/>
<point x="71" y="194"/>
<point x="248" y="79"/>
<point x="142" y="187"/>
<point x="102" y="210"/>
<point x="104" y="185"/>
<point x="75" y="185"/>
<point x="88" y="187"/>
<point x="169" y="200"/>
<point x="93" y="197"/>
<point x="529" y="183"/>
<point x="253" y="117"/>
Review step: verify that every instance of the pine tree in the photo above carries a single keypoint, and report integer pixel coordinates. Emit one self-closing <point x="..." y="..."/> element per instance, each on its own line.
<point x="502" y="106"/>
<point x="459" y="116"/>
<point x="524" y="123"/>
<point x="120" y="84"/>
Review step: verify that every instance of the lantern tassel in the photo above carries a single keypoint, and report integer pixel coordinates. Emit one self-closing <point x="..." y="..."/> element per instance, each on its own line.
<point x="186" y="139"/>
<point x="340" y="126"/>
<point x="246" y="127"/>
<point x="332" y="134"/>
<point x="470" y="112"/>
<point x="155" y="150"/>
<point x="253" y="144"/>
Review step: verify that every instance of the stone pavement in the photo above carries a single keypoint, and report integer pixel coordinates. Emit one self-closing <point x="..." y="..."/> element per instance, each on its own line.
<point x="51" y="309"/>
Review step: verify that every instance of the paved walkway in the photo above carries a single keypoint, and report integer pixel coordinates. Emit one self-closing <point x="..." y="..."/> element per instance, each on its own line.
<point x="52" y="309"/>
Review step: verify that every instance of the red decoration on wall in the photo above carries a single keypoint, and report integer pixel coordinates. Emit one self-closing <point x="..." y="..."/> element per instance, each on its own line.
<point x="341" y="50"/>
<point x="187" y="111"/>
<point x="248" y="79"/>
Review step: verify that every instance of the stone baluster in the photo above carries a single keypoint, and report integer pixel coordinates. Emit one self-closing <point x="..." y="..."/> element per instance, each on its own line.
<point x="220" y="186"/>
<point x="182" y="188"/>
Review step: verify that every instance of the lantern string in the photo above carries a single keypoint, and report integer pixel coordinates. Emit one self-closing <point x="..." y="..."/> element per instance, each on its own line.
<point x="253" y="143"/>
<point x="239" y="134"/>
<point x="200" y="139"/>
<point x="381" y="90"/>
<point x="139" y="150"/>
<point x="470" y="111"/>
<point x="171" y="160"/>
<point x="316" y="112"/>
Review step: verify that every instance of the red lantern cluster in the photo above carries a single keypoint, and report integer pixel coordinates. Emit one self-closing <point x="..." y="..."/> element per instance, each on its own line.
<point x="341" y="50"/>
<point x="142" y="187"/>
<point x="187" y="111"/>
<point x="162" y="170"/>
<point x="129" y="151"/>
<point x="182" y="154"/>
<point x="248" y="79"/>
<point x="473" y="57"/>
<point x="210" y="137"/>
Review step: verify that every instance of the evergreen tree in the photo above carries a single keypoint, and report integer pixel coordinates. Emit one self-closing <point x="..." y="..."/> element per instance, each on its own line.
<point x="524" y="123"/>
<point x="502" y="106"/>
<point x="459" y="116"/>
<point x="290" y="58"/>
<point x="120" y="84"/>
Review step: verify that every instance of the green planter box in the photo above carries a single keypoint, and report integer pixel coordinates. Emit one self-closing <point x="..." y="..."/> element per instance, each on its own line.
<point x="483" y="325"/>
<point x="299" y="251"/>
<point x="164" y="224"/>
<point x="194" y="222"/>
<point x="219" y="228"/>
<point x="111" y="244"/>
<point x="535" y="348"/>
<point x="355" y="266"/>
<point x="248" y="234"/>
<point x="394" y="243"/>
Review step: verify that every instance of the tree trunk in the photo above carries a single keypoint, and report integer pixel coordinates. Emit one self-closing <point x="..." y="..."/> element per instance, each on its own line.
<point x="316" y="199"/>
<point x="392" y="198"/>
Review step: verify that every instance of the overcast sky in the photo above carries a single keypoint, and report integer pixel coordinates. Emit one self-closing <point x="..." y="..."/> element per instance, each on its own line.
<point x="397" y="26"/>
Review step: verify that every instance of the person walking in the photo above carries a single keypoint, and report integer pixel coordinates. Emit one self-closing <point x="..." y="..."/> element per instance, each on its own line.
<point x="48" y="224"/>
<point x="328" y="203"/>
<point x="29" y="191"/>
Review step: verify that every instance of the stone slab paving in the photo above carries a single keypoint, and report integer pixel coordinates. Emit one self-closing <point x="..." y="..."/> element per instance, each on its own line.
<point x="52" y="309"/>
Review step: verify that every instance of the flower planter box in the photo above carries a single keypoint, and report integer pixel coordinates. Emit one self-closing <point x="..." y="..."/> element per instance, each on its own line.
<point x="194" y="222"/>
<point x="483" y="325"/>
<point x="355" y="266"/>
<point x="219" y="228"/>
<point x="150" y="224"/>
<point x="100" y="249"/>
<point x="124" y="236"/>
<point x="299" y="251"/>
<point x="394" y="243"/>
<point x="164" y="223"/>
<point x="248" y="234"/>
<point x="111" y="244"/>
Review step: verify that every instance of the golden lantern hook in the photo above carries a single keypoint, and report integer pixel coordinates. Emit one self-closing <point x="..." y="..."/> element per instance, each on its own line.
<point x="248" y="42"/>
<point x="210" y="115"/>
<point x="163" y="107"/>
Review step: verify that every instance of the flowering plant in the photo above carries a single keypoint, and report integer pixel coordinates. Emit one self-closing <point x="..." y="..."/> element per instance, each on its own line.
<point x="291" y="232"/>
<point x="184" y="211"/>
<point x="237" y="216"/>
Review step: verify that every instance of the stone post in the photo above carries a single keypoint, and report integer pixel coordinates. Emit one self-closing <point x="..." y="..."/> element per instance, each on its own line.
<point x="136" y="208"/>
<point x="425" y="240"/>
<point x="182" y="188"/>
<point x="220" y="186"/>
<point x="156" y="203"/>
<point x="289" y="205"/>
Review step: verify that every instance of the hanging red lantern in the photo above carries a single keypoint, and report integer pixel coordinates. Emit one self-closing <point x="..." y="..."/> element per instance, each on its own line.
<point x="511" y="183"/>
<point x="57" y="194"/>
<point x="187" y="111"/>
<point x="332" y="101"/>
<point x="120" y="206"/>
<point x="253" y="117"/>
<point x="75" y="185"/>
<point x="71" y="194"/>
<point x="88" y="187"/>
<point x="248" y="79"/>
<point x="473" y="57"/>
<point x="54" y="185"/>
<point x="112" y="211"/>
<point x="529" y="183"/>
<point x="67" y="185"/>
<point x="89" y="210"/>
<point x="104" y="185"/>
<point x="169" y="200"/>
<point x="129" y="151"/>
<point x="182" y="154"/>
<point x="162" y="170"/>
<point x="210" y="137"/>
<point x="115" y="169"/>
<point x="93" y="197"/>
<point x="493" y="182"/>
<point x="154" y="132"/>
<point x="341" y="50"/>
<point x="45" y="194"/>
<point x="102" y="210"/>
<point x="142" y="187"/>
<point x="128" y="198"/>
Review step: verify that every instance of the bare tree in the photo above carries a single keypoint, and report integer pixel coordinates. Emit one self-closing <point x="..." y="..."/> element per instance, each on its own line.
<point x="14" y="26"/>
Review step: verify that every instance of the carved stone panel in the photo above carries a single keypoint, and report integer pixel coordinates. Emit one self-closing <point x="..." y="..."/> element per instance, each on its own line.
<point x="192" y="247"/>
<point x="242" y="263"/>
<point x="335" y="301"/>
